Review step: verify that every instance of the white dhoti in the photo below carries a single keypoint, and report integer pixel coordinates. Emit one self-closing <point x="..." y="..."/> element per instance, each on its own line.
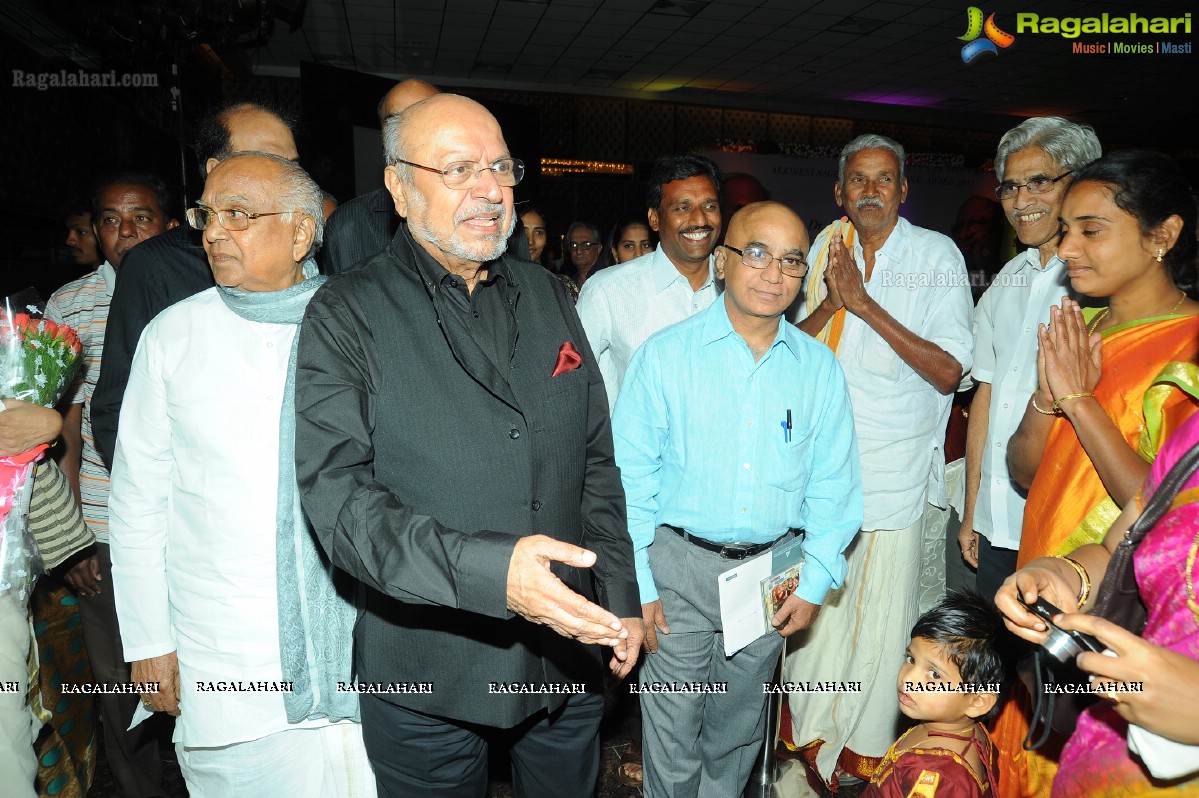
<point x="323" y="762"/>
<point x="860" y="637"/>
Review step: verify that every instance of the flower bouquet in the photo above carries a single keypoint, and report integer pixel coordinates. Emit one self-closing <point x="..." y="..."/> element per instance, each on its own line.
<point x="38" y="358"/>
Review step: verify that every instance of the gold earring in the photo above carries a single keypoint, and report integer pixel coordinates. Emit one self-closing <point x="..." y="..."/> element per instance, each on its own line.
<point x="1160" y="253"/>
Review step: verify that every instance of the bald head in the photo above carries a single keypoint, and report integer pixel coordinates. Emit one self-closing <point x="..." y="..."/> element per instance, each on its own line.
<point x="404" y="94"/>
<point x="750" y="218"/>
<point x="250" y="128"/>
<point x="407" y="134"/>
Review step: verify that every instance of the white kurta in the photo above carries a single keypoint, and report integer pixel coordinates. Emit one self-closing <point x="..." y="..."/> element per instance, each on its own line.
<point x="919" y="278"/>
<point x="192" y="514"/>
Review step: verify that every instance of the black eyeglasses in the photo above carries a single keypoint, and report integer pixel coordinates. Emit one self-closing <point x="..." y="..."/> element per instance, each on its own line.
<point x="758" y="258"/>
<point x="1037" y="185"/>
<point x="583" y="245"/>
<point x="465" y="174"/>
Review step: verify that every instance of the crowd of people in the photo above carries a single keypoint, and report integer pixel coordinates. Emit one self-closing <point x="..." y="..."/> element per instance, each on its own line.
<point x="373" y="489"/>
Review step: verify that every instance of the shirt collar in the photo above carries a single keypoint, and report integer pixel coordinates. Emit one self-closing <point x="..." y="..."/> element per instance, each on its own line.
<point x="717" y="326"/>
<point x="434" y="275"/>
<point x="109" y="273"/>
<point x="1032" y="260"/>
<point x="893" y="247"/>
<point x="664" y="274"/>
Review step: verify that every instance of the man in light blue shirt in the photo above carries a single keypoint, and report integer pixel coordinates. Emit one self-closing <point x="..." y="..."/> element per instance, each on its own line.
<point x="732" y="430"/>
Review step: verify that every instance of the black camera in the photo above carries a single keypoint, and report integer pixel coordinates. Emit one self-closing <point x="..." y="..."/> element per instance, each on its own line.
<point x="1061" y="644"/>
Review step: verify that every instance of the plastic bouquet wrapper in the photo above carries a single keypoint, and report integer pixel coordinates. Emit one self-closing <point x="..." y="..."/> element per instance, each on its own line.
<point x="38" y="359"/>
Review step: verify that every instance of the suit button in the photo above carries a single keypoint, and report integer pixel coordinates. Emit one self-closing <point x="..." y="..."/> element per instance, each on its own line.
<point x="514" y="433"/>
<point x="536" y="505"/>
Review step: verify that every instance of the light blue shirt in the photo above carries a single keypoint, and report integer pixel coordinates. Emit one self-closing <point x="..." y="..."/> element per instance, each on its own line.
<point x="698" y="438"/>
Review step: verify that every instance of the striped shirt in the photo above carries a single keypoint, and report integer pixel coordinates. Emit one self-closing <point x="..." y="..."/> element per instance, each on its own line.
<point x="83" y="305"/>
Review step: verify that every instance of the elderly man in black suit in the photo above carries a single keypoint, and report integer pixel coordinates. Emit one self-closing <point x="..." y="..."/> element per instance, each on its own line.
<point x="454" y="453"/>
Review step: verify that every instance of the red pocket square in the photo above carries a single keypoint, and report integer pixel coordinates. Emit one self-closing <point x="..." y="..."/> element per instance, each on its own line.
<point x="568" y="359"/>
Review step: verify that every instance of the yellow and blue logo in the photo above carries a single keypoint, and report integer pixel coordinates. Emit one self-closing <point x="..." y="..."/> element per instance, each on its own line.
<point x="975" y="27"/>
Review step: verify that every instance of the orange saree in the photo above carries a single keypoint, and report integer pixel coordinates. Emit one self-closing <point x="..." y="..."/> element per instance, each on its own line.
<point x="1149" y="380"/>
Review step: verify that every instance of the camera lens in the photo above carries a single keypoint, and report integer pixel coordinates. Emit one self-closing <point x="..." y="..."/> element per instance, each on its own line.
<point x="1061" y="646"/>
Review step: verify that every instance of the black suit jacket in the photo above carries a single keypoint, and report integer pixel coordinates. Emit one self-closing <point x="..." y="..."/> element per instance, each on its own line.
<point x="357" y="230"/>
<point x="421" y="465"/>
<point x="154" y="275"/>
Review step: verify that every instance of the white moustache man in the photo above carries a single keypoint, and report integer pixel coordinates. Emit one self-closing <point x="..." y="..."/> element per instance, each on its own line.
<point x="893" y="302"/>
<point x="454" y="452"/>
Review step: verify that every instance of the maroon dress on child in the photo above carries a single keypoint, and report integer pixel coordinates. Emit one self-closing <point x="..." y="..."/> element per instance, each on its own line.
<point x="928" y="772"/>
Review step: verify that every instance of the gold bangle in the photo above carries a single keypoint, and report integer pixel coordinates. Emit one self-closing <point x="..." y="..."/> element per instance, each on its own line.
<point x="1037" y="407"/>
<point x="1058" y="404"/>
<point x="1084" y="592"/>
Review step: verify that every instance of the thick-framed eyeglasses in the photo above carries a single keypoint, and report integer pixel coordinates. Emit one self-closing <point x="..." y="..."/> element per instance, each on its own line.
<point x="1038" y="185"/>
<point x="586" y="246"/>
<point x="758" y="258"/>
<point x="465" y="174"/>
<point x="232" y="219"/>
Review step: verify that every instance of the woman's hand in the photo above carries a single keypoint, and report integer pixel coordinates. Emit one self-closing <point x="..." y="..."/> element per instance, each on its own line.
<point x="1168" y="681"/>
<point x="1041" y="578"/>
<point x="24" y="425"/>
<point x="1073" y="358"/>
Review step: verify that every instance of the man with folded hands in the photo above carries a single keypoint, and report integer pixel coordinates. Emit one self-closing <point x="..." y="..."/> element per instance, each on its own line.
<point x="733" y="432"/>
<point x="454" y="453"/>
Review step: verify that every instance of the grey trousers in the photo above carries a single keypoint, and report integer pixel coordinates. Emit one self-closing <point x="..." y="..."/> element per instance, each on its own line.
<point x="700" y="744"/>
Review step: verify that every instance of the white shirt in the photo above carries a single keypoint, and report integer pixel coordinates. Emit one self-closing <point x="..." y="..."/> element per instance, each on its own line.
<point x="622" y="306"/>
<point x="192" y="513"/>
<point x="919" y="278"/>
<point x="1005" y="355"/>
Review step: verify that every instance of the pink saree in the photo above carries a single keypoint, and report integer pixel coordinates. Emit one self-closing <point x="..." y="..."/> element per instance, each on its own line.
<point x="1096" y="762"/>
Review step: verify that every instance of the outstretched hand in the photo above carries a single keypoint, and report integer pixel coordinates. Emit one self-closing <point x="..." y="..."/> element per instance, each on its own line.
<point x="536" y="594"/>
<point x="626" y="652"/>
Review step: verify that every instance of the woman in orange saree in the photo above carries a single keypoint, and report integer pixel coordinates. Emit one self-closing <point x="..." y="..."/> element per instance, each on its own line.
<point x="1110" y="383"/>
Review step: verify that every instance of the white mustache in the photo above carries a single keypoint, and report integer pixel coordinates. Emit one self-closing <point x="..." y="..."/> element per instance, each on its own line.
<point x="486" y="207"/>
<point x="869" y="202"/>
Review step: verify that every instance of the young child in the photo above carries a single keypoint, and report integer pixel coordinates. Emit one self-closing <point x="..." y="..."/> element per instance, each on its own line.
<point x="949" y="682"/>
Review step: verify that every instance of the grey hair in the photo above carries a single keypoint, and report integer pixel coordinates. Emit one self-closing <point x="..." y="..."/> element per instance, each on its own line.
<point x="1071" y="145"/>
<point x="299" y="192"/>
<point x="870" y="141"/>
<point x="599" y="236"/>
<point x="393" y="140"/>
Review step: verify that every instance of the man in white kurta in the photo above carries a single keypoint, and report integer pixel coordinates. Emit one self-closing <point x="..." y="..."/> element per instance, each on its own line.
<point x="894" y="304"/>
<point x="194" y="511"/>
<point x="1034" y="163"/>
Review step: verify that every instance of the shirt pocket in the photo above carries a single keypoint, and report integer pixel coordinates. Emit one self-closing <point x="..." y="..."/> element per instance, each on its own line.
<point x="787" y="461"/>
<point x="880" y="359"/>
